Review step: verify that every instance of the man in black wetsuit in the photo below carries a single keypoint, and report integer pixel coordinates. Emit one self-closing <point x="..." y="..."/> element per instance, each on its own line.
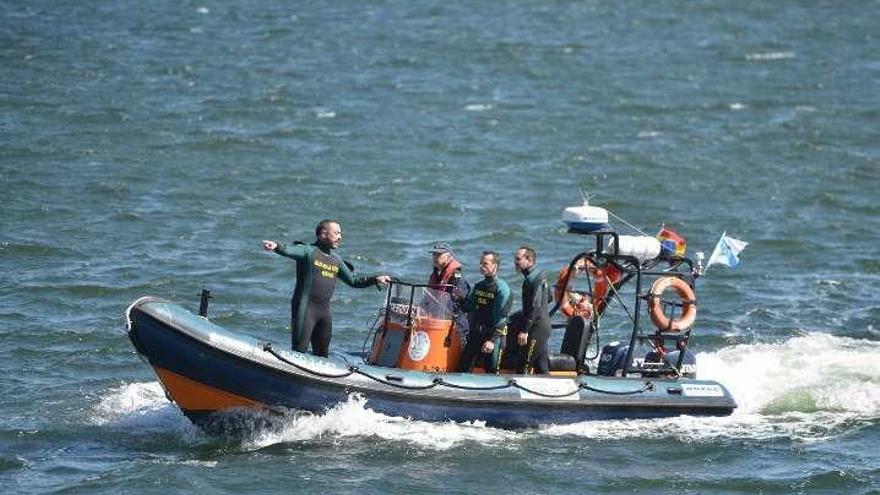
<point x="487" y="305"/>
<point x="317" y="268"/>
<point x="534" y="334"/>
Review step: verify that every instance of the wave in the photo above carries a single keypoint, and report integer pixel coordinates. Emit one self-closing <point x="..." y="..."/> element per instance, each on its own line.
<point x="813" y="372"/>
<point x="810" y="388"/>
<point x="142" y="409"/>
<point x="478" y="107"/>
<point x="769" y="56"/>
<point x="353" y="418"/>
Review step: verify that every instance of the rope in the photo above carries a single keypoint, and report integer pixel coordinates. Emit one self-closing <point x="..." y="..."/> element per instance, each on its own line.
<point x="513" y="383"/>
<point x="620" y="301"/>
<point x="437" y="381"/>
<point x="352" y="369"/>
<point x="648" y="386"/>
<point x="628" y="224"/>
<point x="443" y="382"/>
<point x="268" y="348"/>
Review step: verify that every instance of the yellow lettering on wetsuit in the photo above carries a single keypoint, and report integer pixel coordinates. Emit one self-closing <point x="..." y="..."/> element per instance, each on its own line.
<point x="483" y="297"/>
<point x="327" y="270"/>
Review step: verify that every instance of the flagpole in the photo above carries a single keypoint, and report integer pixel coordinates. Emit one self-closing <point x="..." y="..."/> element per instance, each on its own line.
<point x="712" y="254"/>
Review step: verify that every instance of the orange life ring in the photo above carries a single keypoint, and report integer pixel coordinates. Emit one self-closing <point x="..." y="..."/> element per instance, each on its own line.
<point x="688" y="300"/>
<point x="582" y="307"/>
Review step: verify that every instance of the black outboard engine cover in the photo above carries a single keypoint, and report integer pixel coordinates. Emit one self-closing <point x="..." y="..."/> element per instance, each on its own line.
<point x="611" y="361"/>
<point x="688" y="365"/>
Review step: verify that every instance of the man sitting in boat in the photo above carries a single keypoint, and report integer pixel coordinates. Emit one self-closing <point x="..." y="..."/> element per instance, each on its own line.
<point x="488" y="305"/>
<point x="533" y="322"/>
<point x="317" y="268"/>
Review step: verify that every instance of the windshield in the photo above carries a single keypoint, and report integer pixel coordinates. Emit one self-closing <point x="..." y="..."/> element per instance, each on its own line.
<point x="419" y="301"/>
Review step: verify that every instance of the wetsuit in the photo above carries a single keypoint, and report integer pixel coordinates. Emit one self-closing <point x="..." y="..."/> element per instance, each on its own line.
<point x="317" y="269"/>
<point x="487" y="305"/>
<point x="536" y="298"/>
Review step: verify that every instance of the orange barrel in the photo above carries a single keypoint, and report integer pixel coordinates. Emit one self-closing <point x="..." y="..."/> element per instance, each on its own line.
<point x="433" y="345"/>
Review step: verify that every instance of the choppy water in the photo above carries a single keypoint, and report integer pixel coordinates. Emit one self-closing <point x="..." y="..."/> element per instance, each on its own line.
<point x="146" y="148"/>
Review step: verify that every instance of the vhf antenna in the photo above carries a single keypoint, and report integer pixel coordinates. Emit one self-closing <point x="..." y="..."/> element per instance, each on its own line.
<point x="586" y="196"/>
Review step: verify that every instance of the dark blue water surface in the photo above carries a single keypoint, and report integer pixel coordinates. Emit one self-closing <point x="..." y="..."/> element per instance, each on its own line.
<point x="147" y="148"/>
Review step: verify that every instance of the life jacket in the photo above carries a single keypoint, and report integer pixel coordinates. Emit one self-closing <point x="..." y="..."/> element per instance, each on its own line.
<point x="440" y="278"/>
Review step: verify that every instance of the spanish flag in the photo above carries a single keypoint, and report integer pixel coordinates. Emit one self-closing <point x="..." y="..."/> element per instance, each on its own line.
<point x="671" y="244"/>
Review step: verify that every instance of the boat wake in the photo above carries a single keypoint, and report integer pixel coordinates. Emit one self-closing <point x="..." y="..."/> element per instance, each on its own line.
<point x="809" y="388"/>
<point x="354" y="419"/>
<point x="142" y="409"/>
<point x="812" y="373"/>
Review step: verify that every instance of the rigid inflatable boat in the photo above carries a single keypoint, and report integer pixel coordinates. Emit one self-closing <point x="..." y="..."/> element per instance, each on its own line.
<point x="408" y="367"/>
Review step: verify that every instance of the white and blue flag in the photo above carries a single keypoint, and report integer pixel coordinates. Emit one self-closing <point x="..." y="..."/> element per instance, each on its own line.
<point x="726" y="252"/>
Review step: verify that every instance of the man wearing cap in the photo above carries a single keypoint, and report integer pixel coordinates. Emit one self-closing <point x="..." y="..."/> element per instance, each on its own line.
<point x="446" y="278"/>
<point x="447" y="270"/>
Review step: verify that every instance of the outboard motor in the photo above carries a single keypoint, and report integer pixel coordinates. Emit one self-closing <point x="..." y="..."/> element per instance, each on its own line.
<point x="611" y="360"/>
<point x="688" y="364"/>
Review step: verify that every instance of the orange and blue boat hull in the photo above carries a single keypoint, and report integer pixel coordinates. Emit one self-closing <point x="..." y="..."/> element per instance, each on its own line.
<point x="205" y="370"/>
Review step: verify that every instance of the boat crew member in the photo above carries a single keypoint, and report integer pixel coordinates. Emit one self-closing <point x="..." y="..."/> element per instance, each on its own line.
<point x="317" y="269"/>
<point x="446" y="277"/>
<point x="534" y="335"/>
<point x="447" y="269"/>
<point x="487" y="305"/>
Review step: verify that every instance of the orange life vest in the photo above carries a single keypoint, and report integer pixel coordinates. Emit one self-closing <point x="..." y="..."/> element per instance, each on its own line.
<point x="443" y="277"/>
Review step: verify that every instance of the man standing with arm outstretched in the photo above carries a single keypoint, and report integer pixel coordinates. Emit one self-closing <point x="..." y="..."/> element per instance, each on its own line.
<point x="317" y="268"/>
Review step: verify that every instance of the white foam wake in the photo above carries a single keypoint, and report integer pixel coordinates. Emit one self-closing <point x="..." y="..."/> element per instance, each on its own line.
<point x="142" y="409"/>
<point x="809" y="388"/>
<point x="811" y="373"/>
<point x="354" y="419"/>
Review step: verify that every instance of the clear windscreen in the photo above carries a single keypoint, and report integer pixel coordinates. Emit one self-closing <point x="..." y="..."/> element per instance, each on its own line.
<point x="408" y="301"/>
<point x="436" y="303"/>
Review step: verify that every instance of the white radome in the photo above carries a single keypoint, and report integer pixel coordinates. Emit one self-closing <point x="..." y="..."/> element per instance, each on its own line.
<point x="585" y="218"/>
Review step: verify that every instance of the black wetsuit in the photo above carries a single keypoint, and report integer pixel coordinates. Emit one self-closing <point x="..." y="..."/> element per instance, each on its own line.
<point x="317" y="269"/>
<point x="487" y="305"/>
<point x="536" y="298"/>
